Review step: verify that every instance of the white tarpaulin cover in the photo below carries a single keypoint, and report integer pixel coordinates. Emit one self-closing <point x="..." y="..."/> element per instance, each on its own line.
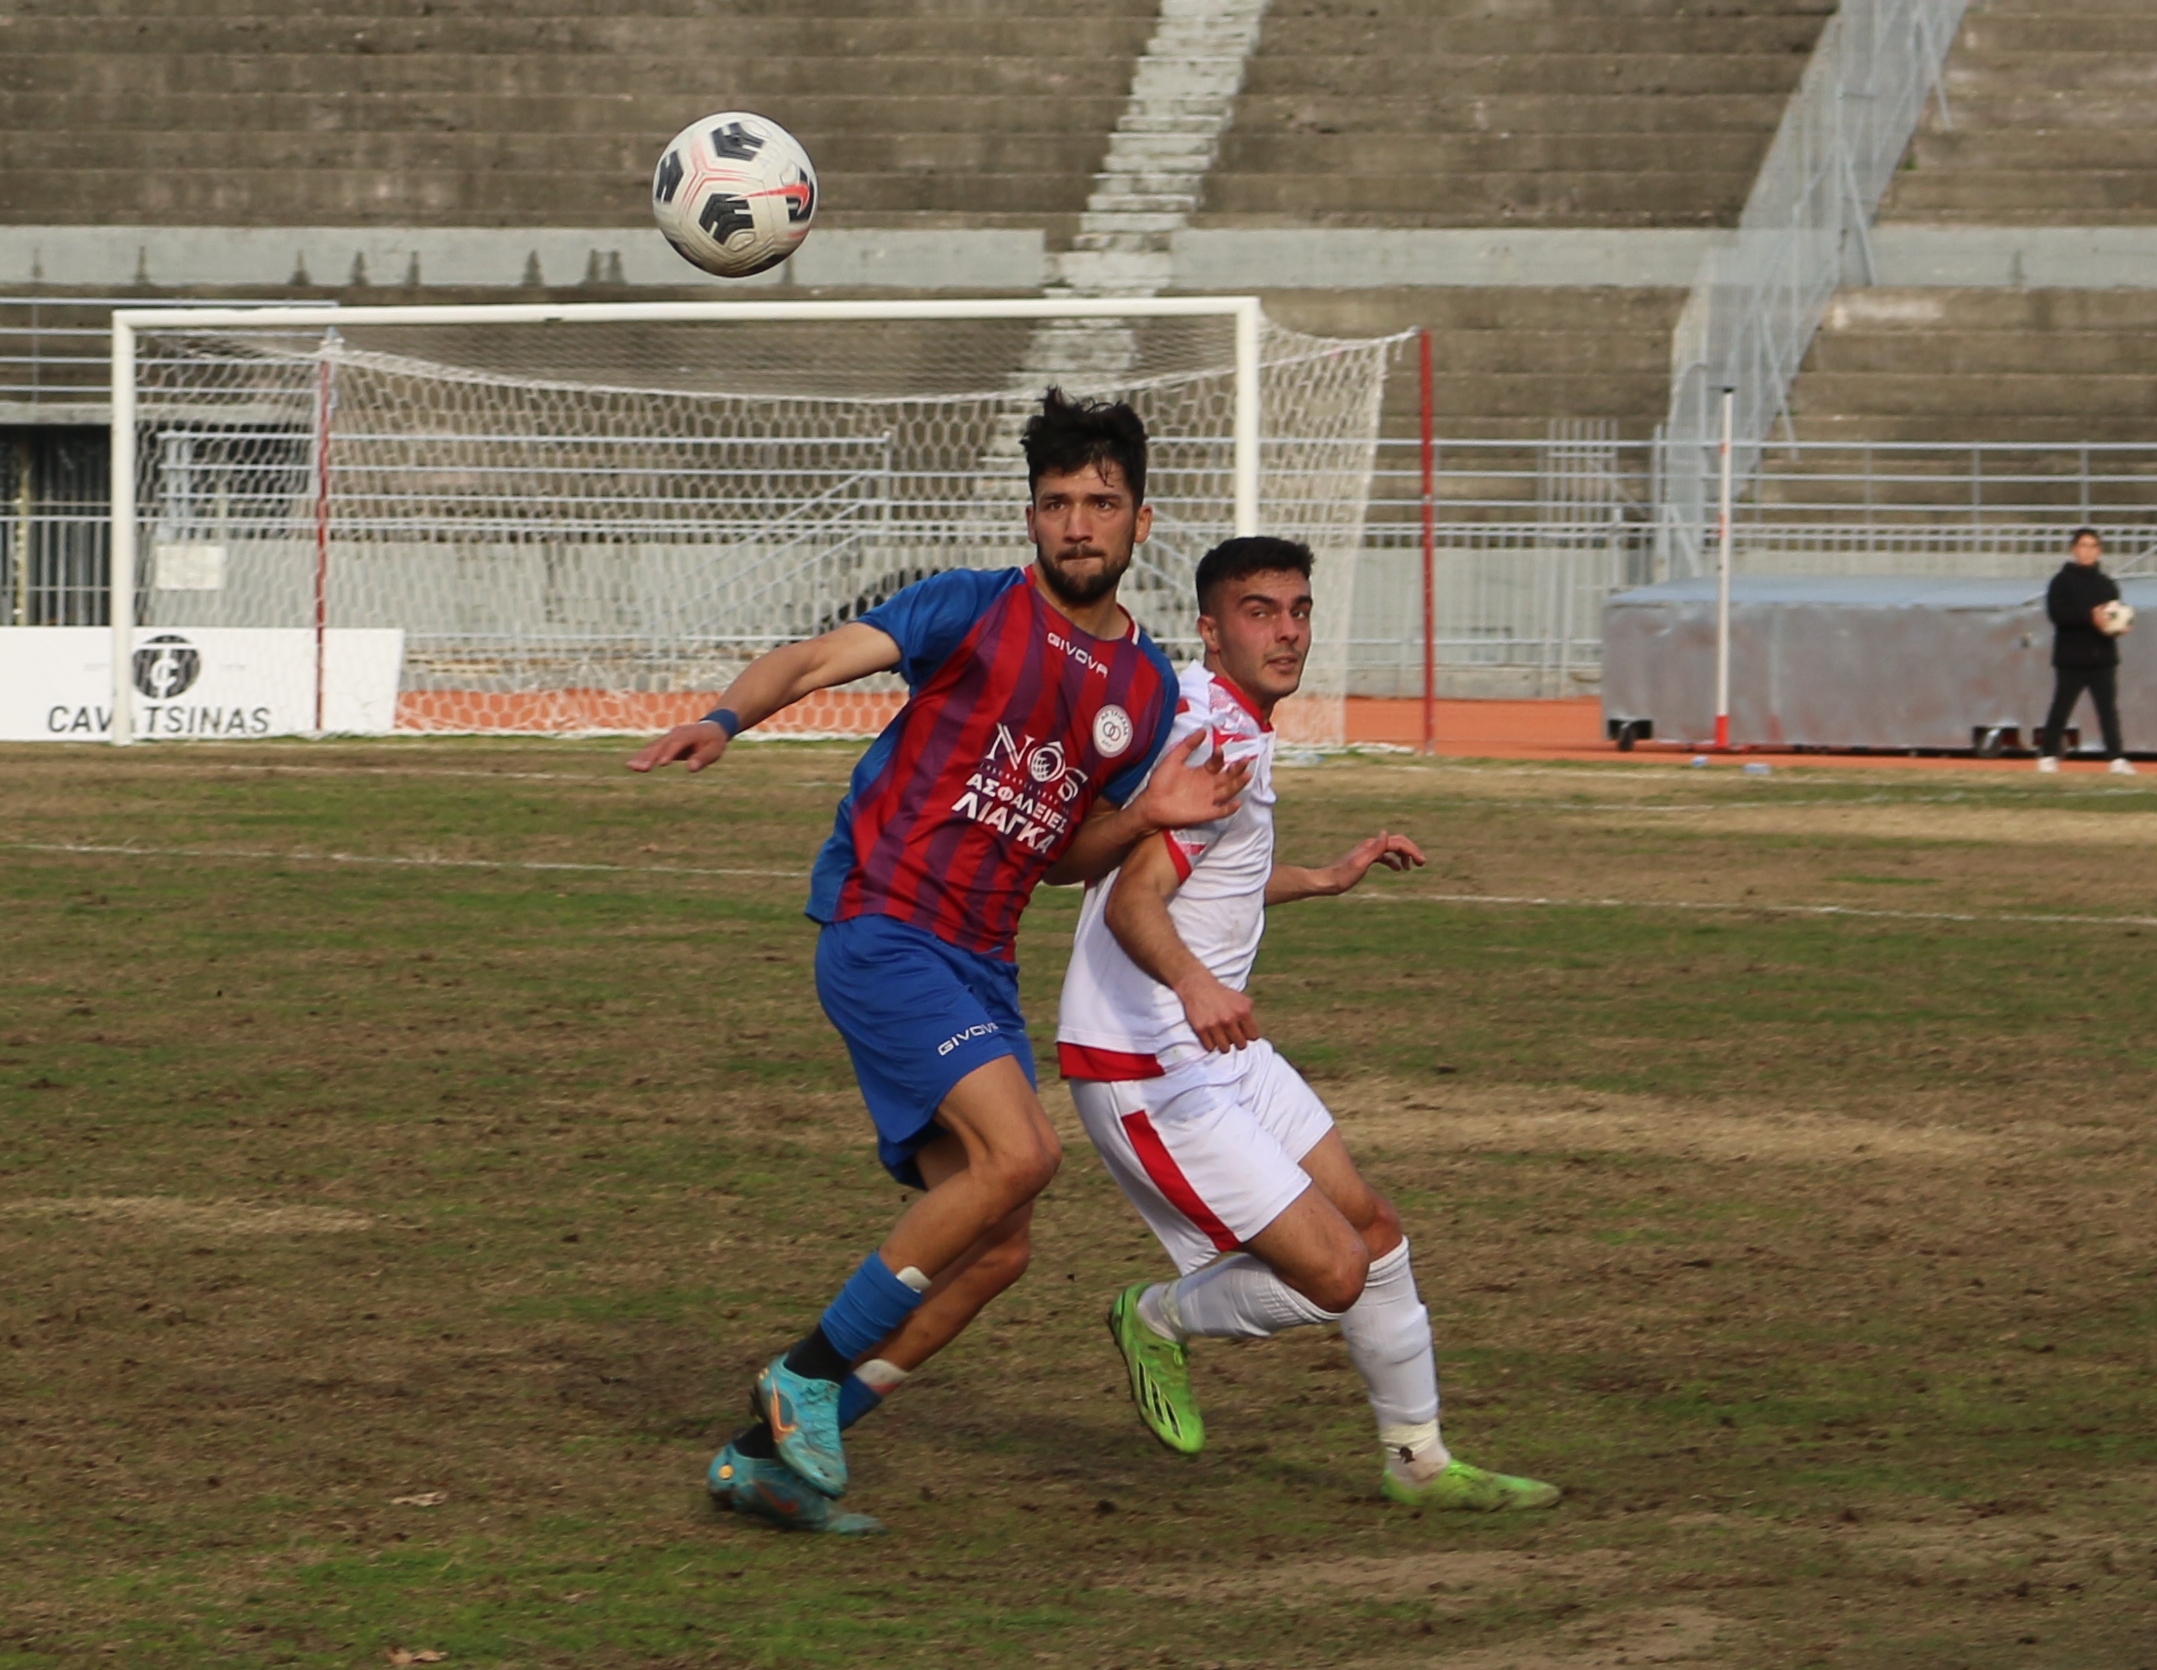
<point x="1863" y="662"/>
<point x="56" y="681"/>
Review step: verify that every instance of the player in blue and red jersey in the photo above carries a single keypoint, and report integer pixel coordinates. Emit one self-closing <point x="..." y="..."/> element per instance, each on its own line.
<point x="1037" y="711"/>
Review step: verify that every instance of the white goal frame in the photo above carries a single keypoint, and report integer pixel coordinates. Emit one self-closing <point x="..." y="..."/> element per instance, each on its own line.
<point x="1245" y="311"/>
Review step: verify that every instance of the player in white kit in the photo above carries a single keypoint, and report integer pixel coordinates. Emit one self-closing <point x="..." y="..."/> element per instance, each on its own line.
<point x="1225" y="1151"/>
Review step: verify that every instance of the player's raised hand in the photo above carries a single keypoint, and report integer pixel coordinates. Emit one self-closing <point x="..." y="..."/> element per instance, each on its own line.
<point x="1395" y="852"/>
<point x="1180" y="794"/>
<point x="699" y="744"/>
<point x="1221" y="1016"/>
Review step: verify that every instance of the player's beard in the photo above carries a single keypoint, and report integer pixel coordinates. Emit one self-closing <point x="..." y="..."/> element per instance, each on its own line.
<point x="1078" y="590"/>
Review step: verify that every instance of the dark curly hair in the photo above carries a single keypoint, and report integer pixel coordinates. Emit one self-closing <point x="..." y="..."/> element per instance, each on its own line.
<point x="1066" y="435"/>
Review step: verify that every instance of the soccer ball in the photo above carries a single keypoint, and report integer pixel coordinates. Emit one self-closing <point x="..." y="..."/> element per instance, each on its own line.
<point x="2115" y="618"/>
<point x="734" y="193"/>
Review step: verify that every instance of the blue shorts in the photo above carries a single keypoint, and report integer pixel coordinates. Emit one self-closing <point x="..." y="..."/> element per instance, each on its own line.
<point x="917" y="1015"/>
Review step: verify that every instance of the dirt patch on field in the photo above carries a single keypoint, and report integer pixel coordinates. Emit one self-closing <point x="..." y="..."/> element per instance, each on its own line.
<point x="192" y="1217"/>
<point x="1438" y="1571"/>
<point x="1666" y="1635"/>
<point x="1525" y="1118"/>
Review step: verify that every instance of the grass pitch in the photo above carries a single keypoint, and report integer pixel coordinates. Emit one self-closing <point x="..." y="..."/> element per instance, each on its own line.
<point x="409" y="1151"/>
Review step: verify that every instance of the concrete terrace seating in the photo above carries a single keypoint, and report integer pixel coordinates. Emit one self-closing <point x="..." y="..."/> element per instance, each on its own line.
<point x="1509" y="361"/>
<point x="1982" y="365"/>
<point x="2055" y="120"/>
<point x="1509" y="112"/>
<point x="2055" y="124"/>
<point x="546" y="112"/>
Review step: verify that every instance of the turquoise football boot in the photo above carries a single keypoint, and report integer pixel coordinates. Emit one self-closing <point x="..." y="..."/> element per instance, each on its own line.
<point x="772" y="1491"/>
<point x="804" y="1416"/>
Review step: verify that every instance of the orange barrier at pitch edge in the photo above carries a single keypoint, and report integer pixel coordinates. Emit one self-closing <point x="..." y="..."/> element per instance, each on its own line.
<point x="1463" y="727"/>
<point x="1573" y="730"/>
<point x="1548" y="730"/>
<point x="628" y="710"/>
<point x="1489" y="729"/>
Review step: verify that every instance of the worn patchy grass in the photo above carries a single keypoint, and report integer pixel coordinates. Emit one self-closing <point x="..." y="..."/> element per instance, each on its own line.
<point x="456" y="1119"/>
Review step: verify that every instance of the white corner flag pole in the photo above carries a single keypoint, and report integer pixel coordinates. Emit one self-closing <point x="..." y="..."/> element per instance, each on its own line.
<point x="121" y="553"/>
<point x="1722" y="590"/>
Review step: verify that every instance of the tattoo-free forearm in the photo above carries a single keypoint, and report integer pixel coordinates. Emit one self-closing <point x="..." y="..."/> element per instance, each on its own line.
<point x="1138" y="917"/>
<point x="1100" y="846"/>
<point x="781" y="677"/>
<point x="1290" y="882"/>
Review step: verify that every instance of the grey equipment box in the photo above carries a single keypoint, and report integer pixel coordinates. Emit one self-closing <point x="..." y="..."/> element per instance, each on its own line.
<point x="1880" y="662"/>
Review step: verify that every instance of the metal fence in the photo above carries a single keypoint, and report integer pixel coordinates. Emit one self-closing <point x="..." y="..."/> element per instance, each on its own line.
<point x="54" y="491"/>
<point x="1804" y="230"/>
<point x="1533" y="536"/>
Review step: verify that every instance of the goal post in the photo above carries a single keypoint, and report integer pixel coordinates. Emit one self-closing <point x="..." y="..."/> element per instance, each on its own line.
<point x="579" y="516"/>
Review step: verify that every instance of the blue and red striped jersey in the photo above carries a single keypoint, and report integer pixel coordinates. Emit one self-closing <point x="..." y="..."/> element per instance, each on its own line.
<point x="1015" y="722"/>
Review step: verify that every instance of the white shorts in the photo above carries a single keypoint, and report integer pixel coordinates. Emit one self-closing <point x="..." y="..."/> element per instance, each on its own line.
<point x="1208" y="1152"/>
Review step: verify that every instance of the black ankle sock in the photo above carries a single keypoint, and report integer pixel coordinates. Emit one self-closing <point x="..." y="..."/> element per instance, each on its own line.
<point x="818" y="1358"/>
<point x="756" y="1441"/>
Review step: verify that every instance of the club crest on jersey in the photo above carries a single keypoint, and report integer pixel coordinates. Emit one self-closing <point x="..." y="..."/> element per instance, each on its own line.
<point x="1111" y="731"/>
<point x="1023" y="789"/>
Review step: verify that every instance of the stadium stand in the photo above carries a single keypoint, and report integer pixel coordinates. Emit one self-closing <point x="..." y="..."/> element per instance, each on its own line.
<point x="1536" y="113"/>
<point x="2053" y="129"/>
<point x="1554" y="112"/>
<point x="449" y="112"/>
<point x="1485" y="125"/>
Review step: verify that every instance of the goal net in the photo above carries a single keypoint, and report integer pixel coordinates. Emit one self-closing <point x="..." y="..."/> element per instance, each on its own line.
<point x="591" y="522"/>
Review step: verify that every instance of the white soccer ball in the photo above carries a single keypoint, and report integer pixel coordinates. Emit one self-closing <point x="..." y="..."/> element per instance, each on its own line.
<point x="2115" y="618"/>
<point x="734" y="193"/>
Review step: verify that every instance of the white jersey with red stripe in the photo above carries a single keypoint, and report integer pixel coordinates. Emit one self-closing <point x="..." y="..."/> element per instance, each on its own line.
<point x="1117" y="1021"/>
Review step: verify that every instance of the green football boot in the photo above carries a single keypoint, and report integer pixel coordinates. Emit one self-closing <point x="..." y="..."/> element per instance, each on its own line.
<point x="1160" y="1376"/>
<point x="771" y="1490"/>
<point x="1469" y="1489"/>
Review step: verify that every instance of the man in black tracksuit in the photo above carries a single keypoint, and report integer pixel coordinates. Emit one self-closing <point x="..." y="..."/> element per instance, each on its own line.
<point x="2084" y="655"/>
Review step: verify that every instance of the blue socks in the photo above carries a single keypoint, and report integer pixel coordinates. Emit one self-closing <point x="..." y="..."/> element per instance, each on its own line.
<point x="856" y="1398"/>
<point x="868" y="1310"/>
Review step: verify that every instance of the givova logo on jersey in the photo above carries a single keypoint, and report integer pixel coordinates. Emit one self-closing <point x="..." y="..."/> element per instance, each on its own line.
<point x="1022" y="789"/>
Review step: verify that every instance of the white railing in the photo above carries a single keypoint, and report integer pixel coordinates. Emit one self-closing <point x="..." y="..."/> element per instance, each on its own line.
<point x="1805" y="230"/>
<point x="1532" y="537"/>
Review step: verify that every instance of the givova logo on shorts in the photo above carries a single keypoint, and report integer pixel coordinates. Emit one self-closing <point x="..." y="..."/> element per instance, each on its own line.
<point x="983" y="1029"/>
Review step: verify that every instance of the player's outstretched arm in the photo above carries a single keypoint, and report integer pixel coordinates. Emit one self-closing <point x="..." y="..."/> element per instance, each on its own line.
<point x="1138" y="916"/>
<point x="774" y="680"/>
<point x="1290" y="882"/>
<point x="1177" y="796"/>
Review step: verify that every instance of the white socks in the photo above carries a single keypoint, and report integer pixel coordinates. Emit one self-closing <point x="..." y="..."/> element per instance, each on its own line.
<point x="1387" y="1332"/>
<point x="1238" y="1297"/>
<point x="1389" y="1337"/>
